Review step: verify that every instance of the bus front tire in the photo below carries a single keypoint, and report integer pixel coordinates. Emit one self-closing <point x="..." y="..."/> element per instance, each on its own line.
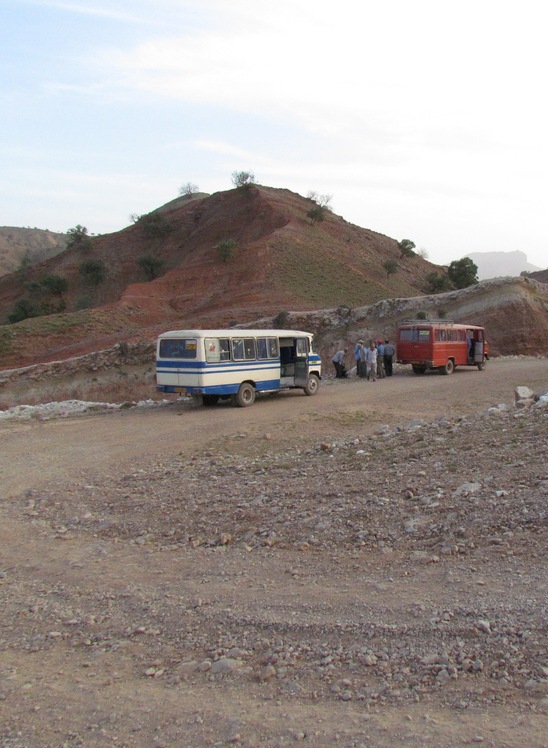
<point x="245" y="395"/>
<point x="312" y="386"/>
<point x="449" y="367"/>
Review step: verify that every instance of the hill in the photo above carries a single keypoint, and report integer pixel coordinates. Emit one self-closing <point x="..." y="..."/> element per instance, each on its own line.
<point x="500" y="264"/>
<point x="282" y="260"/>
<point x="20" y="248"/>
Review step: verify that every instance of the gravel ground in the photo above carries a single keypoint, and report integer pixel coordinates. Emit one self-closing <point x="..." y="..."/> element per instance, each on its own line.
<point x="275" y="584"/>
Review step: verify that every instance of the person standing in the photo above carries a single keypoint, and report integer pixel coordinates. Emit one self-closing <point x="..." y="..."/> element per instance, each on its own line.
<point x="371" y="361"/>
<point x="389" y="353"/>
<point x="380" y="360"/>
<point x="338" y="363"/>
<point x="358" y="355"/>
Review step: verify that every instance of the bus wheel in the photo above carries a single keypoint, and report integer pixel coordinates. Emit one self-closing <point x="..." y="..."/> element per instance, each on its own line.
<point x="312" y="386"/>
<point x="418" y="369"/>
<point x="210" y="400"/>
<point x="448" y="368"/>
<point x="481" y="366"/>
<point x="245" y="395"/>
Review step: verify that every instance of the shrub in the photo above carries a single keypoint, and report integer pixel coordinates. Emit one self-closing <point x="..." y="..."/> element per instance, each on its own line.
<point x="390" y="267"/>
<point x="78" y="238"/>
<point x="407" y="248"/>
<point x="23" y="309"/>
<point x="93" y="271"/>
<point x="436" y="283"/>
<point x="280" y="320"/>
<point x="226" y="249"/>
<point x="243" y="178"/>
<point x="155" y="226"/>
<point x="150" y="265"/>
<point x="315" y="214"/>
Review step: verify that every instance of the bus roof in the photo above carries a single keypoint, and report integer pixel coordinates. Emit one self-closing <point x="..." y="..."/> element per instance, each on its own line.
<point x="234" y="332"/>
<point x="437" y="323"/>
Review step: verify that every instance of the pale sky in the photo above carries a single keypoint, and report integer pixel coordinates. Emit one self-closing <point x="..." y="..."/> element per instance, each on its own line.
<point x="425" y="120"/>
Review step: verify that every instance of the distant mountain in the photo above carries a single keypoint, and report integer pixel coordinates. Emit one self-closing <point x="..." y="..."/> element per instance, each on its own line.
<point x="501" y="264"/>
<point x="20" y="248"/>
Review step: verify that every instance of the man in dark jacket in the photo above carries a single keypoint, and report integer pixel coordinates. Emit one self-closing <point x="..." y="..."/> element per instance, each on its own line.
<point x="389" y="353"/>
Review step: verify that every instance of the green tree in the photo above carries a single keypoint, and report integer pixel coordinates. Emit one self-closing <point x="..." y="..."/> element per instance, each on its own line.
<point x="243" y="178"/>
<point x="316" y="214"/>
<point x="23" y="309"/>
<point x="226" y="249"/>
<point x="78" y="238"/>
<point x="56" y="285"/>
<point x="463" y="273"/>
<point x="437" y="283"/>
<point x="407" y="248"/>
<point x="93" y="271"/>
<point x="150" y="265"/>
<point x="390" y="267"/>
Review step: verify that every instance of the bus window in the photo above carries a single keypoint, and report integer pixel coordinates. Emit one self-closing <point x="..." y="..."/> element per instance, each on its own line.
<point x="238" y="349"/>
<point x="217" y="349"/>
<point x="178" y="348"/>
<point x="407" y="335"/>
<point x="441" y="335"/>
<point x="424" y="336"/>
<point x="302" y="346"/>
<point x="273" y="348"/>
<point x="262" y="348"/>
<point x="249" y="349"/>
<point x="224" y="345"/>
<point x="243" y="349"/>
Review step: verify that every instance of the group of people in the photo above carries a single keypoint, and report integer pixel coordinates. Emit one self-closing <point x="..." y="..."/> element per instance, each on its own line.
<point x="373" y="362"/>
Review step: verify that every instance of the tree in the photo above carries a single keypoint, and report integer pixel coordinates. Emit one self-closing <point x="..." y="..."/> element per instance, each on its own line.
<point x="226" y="249"/>
<point x="23" y="309"/>
<point x="93" y="271"/>
<point x="463" y="273"/>
<point x="78" y="238"/>
<point x="188" y="189"/>
<point x="150" y="265"/>
<point x="436" y="283"/>
<point x="315" y="214"/>
<point x="390" y="267"/>
<point x="56" y="285"/>
<point x="321" y="200"/>
<point x="407" y="248"/>
<point x="243" y="178"/>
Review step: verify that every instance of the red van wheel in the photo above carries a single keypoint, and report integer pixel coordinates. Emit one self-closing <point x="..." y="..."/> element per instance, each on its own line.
<point x="449" y="367"/>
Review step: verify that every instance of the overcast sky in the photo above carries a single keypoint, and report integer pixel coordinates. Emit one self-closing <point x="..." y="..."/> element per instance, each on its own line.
<point x="425" y="120"/>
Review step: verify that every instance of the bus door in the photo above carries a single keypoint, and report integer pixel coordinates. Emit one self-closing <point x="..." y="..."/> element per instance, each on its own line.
<point x="301" y="362"/>
<point x="478" y="346"/>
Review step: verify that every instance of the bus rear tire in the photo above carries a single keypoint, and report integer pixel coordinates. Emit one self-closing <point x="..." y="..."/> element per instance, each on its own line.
<point x="449" y="367"/>
<point x="418" y="369"/>
<point x="312" y="386"/>
<point x="245" y="395"/>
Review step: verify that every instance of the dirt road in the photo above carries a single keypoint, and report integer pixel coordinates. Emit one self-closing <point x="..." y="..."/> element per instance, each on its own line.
<point x="289" y="572"/>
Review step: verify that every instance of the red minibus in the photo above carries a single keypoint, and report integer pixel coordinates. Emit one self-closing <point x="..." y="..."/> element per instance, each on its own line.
<point x="441" y="345"/>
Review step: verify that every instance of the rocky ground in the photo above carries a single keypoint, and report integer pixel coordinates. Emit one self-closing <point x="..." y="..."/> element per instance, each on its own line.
<point x="373" y="587"/>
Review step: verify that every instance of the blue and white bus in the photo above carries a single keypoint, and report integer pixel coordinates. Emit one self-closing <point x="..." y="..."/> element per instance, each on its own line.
<point x="236" y="363"/>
